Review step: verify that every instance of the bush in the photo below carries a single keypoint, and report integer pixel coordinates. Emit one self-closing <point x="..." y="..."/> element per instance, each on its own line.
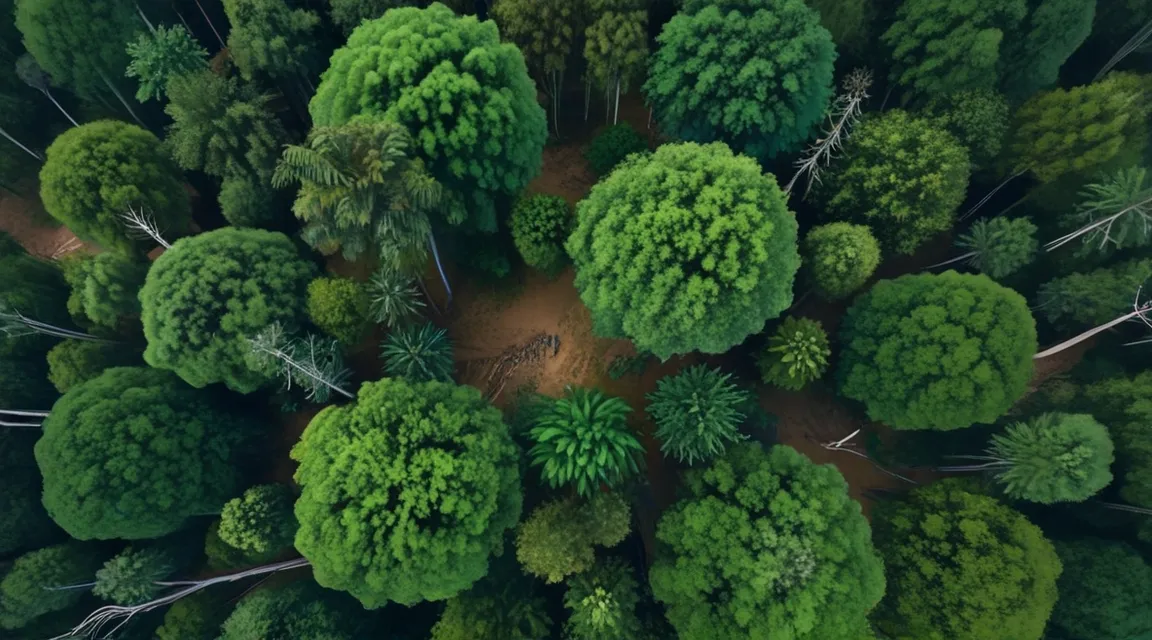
<point x="418" y="353"/>
<point x="260" y="523"/>
<point x="339" y="307"/>
<point x="796" y="354"/>
<point x="841" y="257"/>
<point x="72" y="362"/>
<point x="697" y="413"/>
<point x="105" y="287"/>
<point x="937" y="351"/>
<point x="540" y="224"/>
<point x="1054" y="458"/>
<point x="612" y="145"/>
<point x="559" y="538"/>
<point x="129" y="578"/>
<point x="1105" y="591"/>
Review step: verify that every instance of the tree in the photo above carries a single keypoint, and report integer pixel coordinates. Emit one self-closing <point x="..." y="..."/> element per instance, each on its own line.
<point x="429" y="467"/>
<point x="940" y="47"/>
<point x="29" y="588"/>
<point x="1087" y="299"/>
<point x="25" y="523"/>
<point x="612" y="145"/>
<point x="848" y="22"/>
<point x="72" y="362"/>
<point x="540" y="224"/>
<point x="418" y="353"/>
<point x="208" y="294"/>
<point x="762" y="98"/>
<point x="1116" y="212"/>
<point x="95" y="172"/>
<point x="129" y="578"/>
<point x="161" y="55"/>
<point x="794" y="550"/>
<point x="937" y="351"/>
<point x="465" y="97"/>
<point x="903" y="176"/>
<point x="962" y="566"/>
<point x="615" y="48"/>
<point x="260" y="522"/>
<point x="133" y="453"/>
<point x="1053" y="30"/>
<point x="1053" y="458"/>
<point x="603" y="603"/>
<point x="393" y="297"/>
<point x="196" y="617"/>
<point x="502" y="606"/>
<point x="312" y="362"/>
<point x="247" y="203"/>
<point x="269" y="38"/>
<point x="978" y="118"/>
<point x="1076" y="130"/>
<point x="558" y="538"/>
<point x="348" y="14"/>
<point x="36" y="289"/>
<point x="796" y="354"/>
<point x="339" y="307"/>
<point x="105" y="287"/>
<point x="685" y="269"/>
<point x="1105" y="591"/>
<point x="31" y="74"/>
<point x="999" y="246"/>
<point x="583" y="440"/>
<point x="841" y="257"/>
<point x="697" y="413"/>
<point x="1122" y="404"/>
<point x="298" y="610"/>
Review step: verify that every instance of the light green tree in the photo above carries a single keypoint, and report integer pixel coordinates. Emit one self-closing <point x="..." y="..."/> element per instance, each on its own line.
<point x="260" y="522"/>
<point x="558" y="538"/>
<point x="159" y="56"/>
<point x="840" y="257"/>
<point x="270" y="38"/>
<point x="1053" y="458"/>
<point x="105" y="287"/>
<point x="339" y="307"/>
<point x="130" y="577"/>
<point x="72" y="362"/>
<point x="540" y="224"/>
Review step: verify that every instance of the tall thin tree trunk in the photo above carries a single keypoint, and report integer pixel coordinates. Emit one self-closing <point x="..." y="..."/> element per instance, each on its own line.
<point x="184" y="22"/>
<point x="616" y="112"/>
<point x="116" y="92"/>
<point x="970" y="254"/>
<point x="607" y="101"/>
<point x="66" y="114"/>
<point x="991" y="193"/>
<point x="145" y="19"/>
<point x="1133" y="43"/>
<point x="1088" y="334"/>
<point x="556" y="102"/>
<point x="20" y="144"/>
<point x="210" y="25"/>
<point x="587" y="97"/>
<point x="440" y="267"/>
<point x="33" y="414"/>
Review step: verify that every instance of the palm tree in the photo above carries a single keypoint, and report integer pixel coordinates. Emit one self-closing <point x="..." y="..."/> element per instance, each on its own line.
<point x="421" y="354"/>
<point x="362" y="191"/>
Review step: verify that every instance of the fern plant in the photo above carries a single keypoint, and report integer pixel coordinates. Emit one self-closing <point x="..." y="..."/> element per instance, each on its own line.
<point x="584" y="441"/>
<point x="418" y="353"/>
<point x="697" y="413"/>
<point x="797" y="354"/>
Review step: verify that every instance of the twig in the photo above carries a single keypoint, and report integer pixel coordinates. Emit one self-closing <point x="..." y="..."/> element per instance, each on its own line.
<point x="141" y="224"/>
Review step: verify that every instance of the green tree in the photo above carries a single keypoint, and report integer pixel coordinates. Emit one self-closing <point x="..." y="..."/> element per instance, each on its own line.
<point x="937" y="351"/>
<point x="207" y="295"/>
<point x="129" y="578"/>
<point x="1082" y="300"/>
<point x="25" y="524"/>
<point x="26" y="588"/>
<point x="502" y="606"/>
<point x="247" y="203"/>
<point x="299" y="610"/>
<point x="72" y="362"/>
<point x="615" y="47"/>
<point x="420" y="353"/>
<point x="794" y="551"/>
<point x="260" y="522"/>
<point x="348" y="14"/>
<point x="583" y="440"/>
<point x="962" y="566"/>
<point x="848" y="21"/>
<point x="999" y="246"/>
<point x="465" y="97"/>
<point x="763" y="97"/>
<point x="978" y="118"/>
<point x="429" y="468"/>
<point x="609" y="148"/>
<point x="394" y="297"/>
<point x="559" y="538"/>
<point x="1122" y="404"/>
<point x="603" y="603"/>
<point x="270" y="38"/>
<point x="1053" y="30"/>
<point x="1053" y="458"/>
<point x="540" y="224"/>
<point x="94" y="173"/>
<point x="133" y="453"/>
<point x="902" y="175"/>
<point x="196" y="617"/>
<point x="796" y="354"/>
<point x="697" y="413"/>
<point x="1105" y="591"/>
<point x="159" y="56"/>
<point x="105" y="287"/>
<point x="689" y="268"/>
<point x="940" y="46"/>
<point x="1113" y="213"/>
<point x="37" y="289"/>
<point x="841" y="257"/>
<point x="339" y="306"/>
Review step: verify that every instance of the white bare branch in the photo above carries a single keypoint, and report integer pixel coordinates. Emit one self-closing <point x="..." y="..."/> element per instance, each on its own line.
<point x="67" y="247"/>
<point x="141" y="224"/>
<point x="842" y="116"/>
<point x="844" y="444"/>
<point x="15" y="324"/>
<point x="1103" y="226"/>
<point x="272" y="343"/>
<point x="1139" y="311"/>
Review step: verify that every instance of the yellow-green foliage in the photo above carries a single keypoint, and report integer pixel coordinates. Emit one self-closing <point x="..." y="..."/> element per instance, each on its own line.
<point x="339" y="307"/>
<point x="71" y="362"/>
<point x="260" y="522"/>
<point x="559" y="538"/>
<point x="540" y="224"/>
<point x="840" y="257"/>
<point x="796" y="355"/>
<point x="407" y="492"/>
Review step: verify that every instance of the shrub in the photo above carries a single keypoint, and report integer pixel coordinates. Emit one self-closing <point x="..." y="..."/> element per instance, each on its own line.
<point x="841" y="257"/>
<point x="540" y="224"/>
<point x="1054" y="458"/>
<point x="260" y="523"/>
<point x="339" y="307"/>
<point x="419" y="353"/>
<point x="796" y="354"/>
<point x="129" y="578"/>
<point x="697" y="413"/>
<point x="72" y="362"/>
<point x="612" y="145"/>
<point x="559" y="538"/>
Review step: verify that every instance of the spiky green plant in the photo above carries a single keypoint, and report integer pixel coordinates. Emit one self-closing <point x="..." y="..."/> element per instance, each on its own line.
<point x="583" y="440"/>
<point x="418" y="353"/>
<point x="603" y="603"/>
<point x="393" y="297"/>
<point x="1053" y="458"/>
<point x="999" y="246"/>
<point x="696" y="413"/>
<point x="796" y="355"/>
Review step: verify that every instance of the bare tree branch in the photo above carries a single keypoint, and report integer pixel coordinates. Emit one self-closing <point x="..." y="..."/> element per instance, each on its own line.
<point x="316" y="366"/>
<point x="1139" y="311"/>
<point x="844" y="444"/>
<point x="141" y="224"/>
<point x="842" y="115"/>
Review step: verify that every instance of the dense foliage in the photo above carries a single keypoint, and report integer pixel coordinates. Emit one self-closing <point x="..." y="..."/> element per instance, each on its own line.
<point x="269" y="38"/>
<point x="260" y="522"/>
<point x="420" y="353"/>
<point x="1082" y="300"/>
<point x="841" y="257"/>
<point x="72" y="362"/>
<point x="1105" y="591"/>
<point x="558" y="538"/>
<point x="977" y="118"/>
<point x="130" y="577"/>
<point x="1054" y="458"/>
<point x="502" y="606"/>
<point x="25" y="523"/>
<point x="603" y="602"/>
<point x="159" y="57"/>
<point x="80" y="43"/>
<point x="937" y="351"/>
<point x="299" y="610"/>
<point x="540" y="224"/>
<point x="406" y="492"/>
<point x="25" y="597"/>
<point x="697" y="413"/>
<point x="611" y="146"/>
<point x="1000" y="246"/>
<point x="105" y="288"/>
<point x="796" y="354"/>
<point x="339" y="307"/>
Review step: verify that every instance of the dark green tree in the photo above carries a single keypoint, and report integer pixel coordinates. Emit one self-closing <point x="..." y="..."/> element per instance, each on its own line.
<point x="271" y="39"/>
<point x="348" y="14"/>
<point x="196" y="617"/>
<point x="1053" y="30"/>
<point x="465" y="97"/>
<point x="615" y="49"/>
<point x="72" y="362"/>
<point x="130" y="577"/>
<point x="133" y="453"/>
<point x="502" y="606"/>
<point x="901" y="175"/>
<point x="978" y="118"/>
<point x="611" y="146"/>
<point x="962" y="566"/>
<point x="1081" y="300"/>
<point x="793" y="551"/>
<point x="689" y="268"/>
<point x="209" y="294"/>
<point x="244" y="202"/>
<point x="1114" y="213"/>
<point x="602" y="602"/>
<point x="93" y="174"/>
<point x="540" y="224"/>
<point x="429" y="467"/>
<point x="559" y="538"/>
<point x="763" y="97"/>
<point x="25" y="524"/>
<point x="583" y="440"/>
<point x="1055" y="457"/>
<point x="37" y="289"/>
<point x="999" y="246"/>
<point x="1122" y="404"/>
<point x="299" y="610"/>
<point x="260" y="522"/>
<point x="28" y="589"/>
<point x="697" y="413"/>
<point x="937" y="351"/>
<point x="841" y="257"/>
<point x="796" y="354"/>
<point x="159" y="56"/>
<point x="339" y="307"/>
<point x="848" y="21"/>
<point x="420" y="353"/>
<point x="105" y="287"/>
<point x="1105" y="591"/>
